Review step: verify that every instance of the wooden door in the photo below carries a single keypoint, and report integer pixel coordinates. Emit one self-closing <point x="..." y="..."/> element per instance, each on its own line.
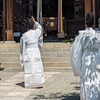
<point x="73" y="12"/>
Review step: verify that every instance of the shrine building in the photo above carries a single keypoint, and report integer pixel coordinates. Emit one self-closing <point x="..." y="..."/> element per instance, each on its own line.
<point x="60" y="19"/>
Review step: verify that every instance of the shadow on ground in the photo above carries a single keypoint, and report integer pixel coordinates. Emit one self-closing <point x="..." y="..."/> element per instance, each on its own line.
<point x="20" y="84"/>
<point x="58" y="96"/>
<point x="1" y="69"/>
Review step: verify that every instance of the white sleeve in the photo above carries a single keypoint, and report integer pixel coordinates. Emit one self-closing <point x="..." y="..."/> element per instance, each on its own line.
<point x="41" y="40"/>
<point x="38" y="26"/>
<point x="39" y="31"/>
<point x="76" y="56"/>
<point x="22" y="50"/>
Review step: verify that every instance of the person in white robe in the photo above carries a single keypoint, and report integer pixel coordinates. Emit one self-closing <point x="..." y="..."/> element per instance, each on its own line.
<point x="30" y="57"/>
<point x="85" y="61"/>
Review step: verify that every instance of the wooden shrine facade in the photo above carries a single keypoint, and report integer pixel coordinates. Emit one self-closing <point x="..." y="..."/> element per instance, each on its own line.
<point x="59" y="18"/>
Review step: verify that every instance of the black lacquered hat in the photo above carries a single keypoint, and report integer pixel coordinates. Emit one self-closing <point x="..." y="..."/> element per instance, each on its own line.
<point x="30" y="23"/>
<point x="89" y="18"/>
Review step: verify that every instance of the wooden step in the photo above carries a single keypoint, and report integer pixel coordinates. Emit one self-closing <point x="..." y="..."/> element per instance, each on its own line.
<point x="56" y="45"/>
<point x="7" y="64"/>
<point x="55" y="54"/>
<point x="45" y="64"/>
<point x="56" y="64"/>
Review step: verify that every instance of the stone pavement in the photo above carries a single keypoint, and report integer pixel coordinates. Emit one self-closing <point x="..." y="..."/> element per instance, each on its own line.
<point x="59" y="85"/>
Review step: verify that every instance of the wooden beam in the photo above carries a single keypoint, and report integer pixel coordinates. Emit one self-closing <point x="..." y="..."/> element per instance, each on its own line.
<point x="10" y="36"/>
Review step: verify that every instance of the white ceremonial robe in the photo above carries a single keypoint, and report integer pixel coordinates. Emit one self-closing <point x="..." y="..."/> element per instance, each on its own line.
<point x="85" y="61"/>
<point x="30" y="57"/>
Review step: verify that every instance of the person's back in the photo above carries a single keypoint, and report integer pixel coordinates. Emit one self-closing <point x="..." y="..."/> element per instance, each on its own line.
<point x="32" y="38"/>
<point x="33" y="35"/>
<point x="85" y="62"/>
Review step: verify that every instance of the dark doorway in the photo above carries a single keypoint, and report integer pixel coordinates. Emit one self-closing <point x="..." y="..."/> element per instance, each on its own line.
<point x="23" y="9"/>
<point x="73" y="12"/>
<point x="1" y="21"/>
<point x="50" y="13"/>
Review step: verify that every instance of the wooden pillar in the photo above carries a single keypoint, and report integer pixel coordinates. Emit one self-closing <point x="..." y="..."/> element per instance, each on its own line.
<point x="60" y="20"/>
<point x="10" y="36"/>
<point x="90" y="6"/>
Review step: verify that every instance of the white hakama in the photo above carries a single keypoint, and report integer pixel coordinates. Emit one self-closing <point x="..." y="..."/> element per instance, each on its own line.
<point x="30" y="57"/>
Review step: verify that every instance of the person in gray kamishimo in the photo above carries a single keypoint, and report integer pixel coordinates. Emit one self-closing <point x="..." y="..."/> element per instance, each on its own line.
<point x="85" y="61"/>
